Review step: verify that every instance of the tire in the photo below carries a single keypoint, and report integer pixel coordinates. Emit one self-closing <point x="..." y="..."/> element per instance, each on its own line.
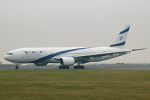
<point x="16" y="67"/>
<point x="78" y="67"/>
<point x="63" y="67"/>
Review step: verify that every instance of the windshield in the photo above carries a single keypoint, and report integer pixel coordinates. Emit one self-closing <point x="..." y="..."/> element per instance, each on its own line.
<point x="9" y="53"/>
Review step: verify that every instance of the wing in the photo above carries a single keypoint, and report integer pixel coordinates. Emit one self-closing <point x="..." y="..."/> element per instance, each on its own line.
<point x="86" y="58"/>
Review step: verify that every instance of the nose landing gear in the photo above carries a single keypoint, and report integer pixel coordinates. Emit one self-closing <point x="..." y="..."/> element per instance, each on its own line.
<point x="16" y="66"/>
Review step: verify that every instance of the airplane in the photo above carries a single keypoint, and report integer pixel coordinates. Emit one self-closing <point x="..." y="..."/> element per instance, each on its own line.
<point x="69" y="56"/>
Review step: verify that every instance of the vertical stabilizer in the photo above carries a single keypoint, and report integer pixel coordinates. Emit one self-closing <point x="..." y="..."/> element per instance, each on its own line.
<point x="121" y="38"/>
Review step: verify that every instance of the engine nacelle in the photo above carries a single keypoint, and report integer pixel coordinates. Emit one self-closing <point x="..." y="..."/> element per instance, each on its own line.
<point x="67" y="61"/>
<point x="40" y="64"/>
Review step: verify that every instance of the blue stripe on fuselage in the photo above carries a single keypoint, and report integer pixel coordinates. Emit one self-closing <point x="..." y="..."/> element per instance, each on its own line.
<point x="119" y="44"/>
<point x="124" y="31"/>
<point x="56" y="54"/>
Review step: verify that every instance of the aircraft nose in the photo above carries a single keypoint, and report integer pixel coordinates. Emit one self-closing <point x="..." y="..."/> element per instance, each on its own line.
<point x="6" y="57"/>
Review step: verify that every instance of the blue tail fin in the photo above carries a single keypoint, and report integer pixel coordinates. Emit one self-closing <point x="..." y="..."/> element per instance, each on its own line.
<point x="121" y="38"/>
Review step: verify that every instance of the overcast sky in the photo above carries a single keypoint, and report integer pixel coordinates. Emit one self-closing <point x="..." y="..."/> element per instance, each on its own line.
<point x="71" y="23"/>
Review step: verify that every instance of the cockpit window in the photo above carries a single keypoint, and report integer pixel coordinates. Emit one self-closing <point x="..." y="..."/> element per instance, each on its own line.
<point x="9" y="53"/>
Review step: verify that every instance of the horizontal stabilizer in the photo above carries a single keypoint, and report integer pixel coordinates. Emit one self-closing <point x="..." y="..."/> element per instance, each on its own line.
<point x="138" y="49"/>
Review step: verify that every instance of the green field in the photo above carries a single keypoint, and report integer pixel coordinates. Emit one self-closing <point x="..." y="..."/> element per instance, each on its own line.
<point x="73" y="84"/>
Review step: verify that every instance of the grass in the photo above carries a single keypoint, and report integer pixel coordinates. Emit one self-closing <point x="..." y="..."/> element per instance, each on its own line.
<point x="89" y="84"/>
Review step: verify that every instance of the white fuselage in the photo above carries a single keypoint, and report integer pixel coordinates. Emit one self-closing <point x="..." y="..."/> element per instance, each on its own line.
<point x="68" y="56"/>
<point x="52" y="55"/>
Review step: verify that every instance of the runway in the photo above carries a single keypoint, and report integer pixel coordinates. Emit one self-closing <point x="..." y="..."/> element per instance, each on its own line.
<point x="87" y="66"/>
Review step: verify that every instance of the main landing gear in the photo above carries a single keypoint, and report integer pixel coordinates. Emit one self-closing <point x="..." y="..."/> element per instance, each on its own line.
<point x="75" y="67"/>
<point x="79" y="67"/>
<point x="63" y="67"/>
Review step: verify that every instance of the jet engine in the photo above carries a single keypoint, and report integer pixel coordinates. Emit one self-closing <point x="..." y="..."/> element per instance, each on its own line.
<point x="67" y="61"/>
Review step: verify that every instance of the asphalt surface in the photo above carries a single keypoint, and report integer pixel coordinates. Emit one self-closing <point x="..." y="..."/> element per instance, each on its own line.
<point x="87" y="66"/>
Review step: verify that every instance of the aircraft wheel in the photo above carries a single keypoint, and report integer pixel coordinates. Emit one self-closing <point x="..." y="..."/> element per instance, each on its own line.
<point x="63" y="67"/>
<point x="17" y="67"/>
<point x="79" y="67"/>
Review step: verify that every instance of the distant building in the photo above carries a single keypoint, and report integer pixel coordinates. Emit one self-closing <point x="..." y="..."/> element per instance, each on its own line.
<point x="119" y="63"/>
